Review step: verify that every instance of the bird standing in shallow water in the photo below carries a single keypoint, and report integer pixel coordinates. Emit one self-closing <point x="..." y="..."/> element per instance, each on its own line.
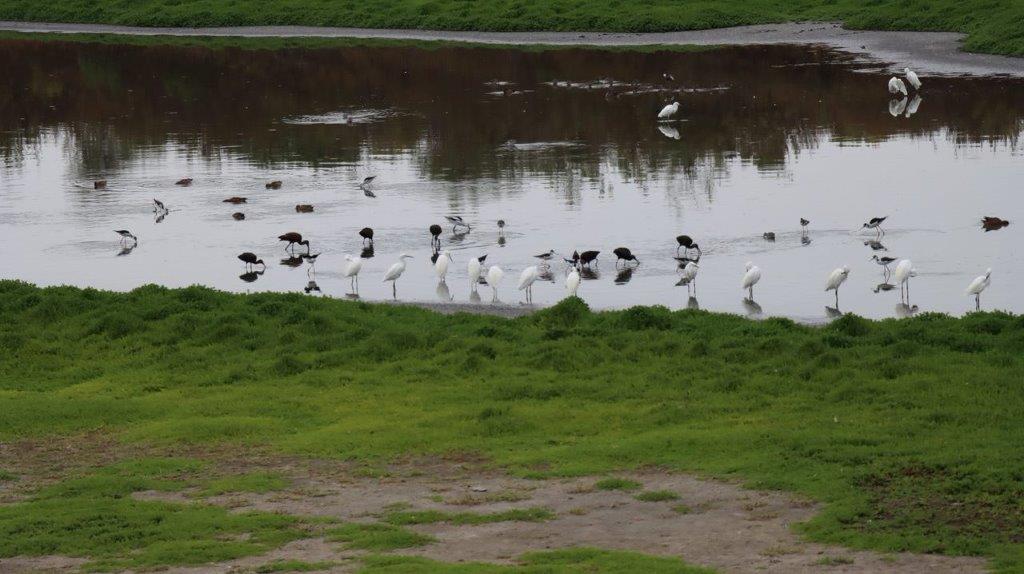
<point x="689" y="277"/>
<point x="588" y="257"/>
<point x="836" y="279"/>
<point x="750" y="278"/>
<point x="125" y="235"/>
<point x="977" y="286"/>
<point x="395" y="272"/>
<point x="668" y="111"/>
<point x="896" y="86"/>
<point x="526" y="280"/>
<point x="250" y="259"/>
<point x="912" y="78"/>
<point x="367" y="234"/>
<point x="904" y="271"/>
<point x="885" y="262"/>
<point x="456" y="221"/>
<point x="686" y="244"/>
<point x="365" y="186"/>
<point x="441" y="265"/>
<point x="355" y="264"/>
<point x="876" y="224"/>
<point x="293" y="238"/>
<point x="435" y="232"/>
<point x="624" y="254"/>
<point x="804" y="223"/>
<point x="473" y="268"/>
<point x="494" y="275"/>
<point x="545" y="256"/>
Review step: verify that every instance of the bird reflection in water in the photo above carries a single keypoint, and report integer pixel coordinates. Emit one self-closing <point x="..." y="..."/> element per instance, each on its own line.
<point x="904" y="310"/>
<point x="669" y="132"/>
<point x="692" y="304"/>
<point x="367" y="252"/>
<point x="805" y="239"/>
<point x="292" y="261"/>
<point x="444" y="294"/>
<point x="589" y="274"/>
<point x="251" y="276"/>
<point x="544" y="274"/>
<point x="751" y="308"/>
<point x="883" y="287"/>
<point x="474" y="296"/>
<point x="158" y="217"/>
<point x="311" y="287"/>
<point x="897" y="107"/>
<point x="127" y="249"/>
<point x="624" y="275"/>
<point x="833" y="312"/>
<point x="913" y="105"/>
<point x="875" y="245"/>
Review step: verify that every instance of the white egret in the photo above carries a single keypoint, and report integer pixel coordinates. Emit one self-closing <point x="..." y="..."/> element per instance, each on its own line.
<point x="494" y="275"/>
<point x="896" y="86"/>
<point x="441" y="265"/>
<point x="526" y="280"/>
<point x="352" y="269"/>
<point x="473" y="268"/>
<point x="978" y="285"/>
<point x="912" y="78"/>
<point x="836" y="279"/>
<point x="897" y="107"/>
<point x="668" y="111"/>
<point x="902" y="274"/>
<point x="572" y="282"/>
<point x="689" y="276"/>
<point x="395" y="272"/>
<point x="750" y="278"/>
<point x="913" y="105"/>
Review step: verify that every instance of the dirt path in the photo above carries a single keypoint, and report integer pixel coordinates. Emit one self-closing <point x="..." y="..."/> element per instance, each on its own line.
<point x="927" y="52"/>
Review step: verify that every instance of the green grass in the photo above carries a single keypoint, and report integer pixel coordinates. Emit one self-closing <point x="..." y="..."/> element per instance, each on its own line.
<point x="617" y="484"/>
<point x="258" y="482"/>
<point x="991" y="25"/>
<point x="908" y="430"/>
<point x="7" y="476"/>
<point x="573" y="561"/>
<point x="834" y="561"/>
<point x="94" y="516"/>
<point x="657" y="496"/>
<point x="377" y="537"/>
<point x="293" y="566"/>
<point x="462" y="518"/>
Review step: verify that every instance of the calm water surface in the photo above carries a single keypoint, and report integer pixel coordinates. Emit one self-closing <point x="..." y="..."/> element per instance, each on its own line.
<point x="561" y="144"/>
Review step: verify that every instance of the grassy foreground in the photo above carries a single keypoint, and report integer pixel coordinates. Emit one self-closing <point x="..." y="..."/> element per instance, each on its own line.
<point x="910" y="430"/>
<point x="995" y="26"/>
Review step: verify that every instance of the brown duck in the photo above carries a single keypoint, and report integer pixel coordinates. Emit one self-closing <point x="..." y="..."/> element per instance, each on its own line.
<point x="304" y="208"/>
<point x="235" y="200"/>
<point x="276" y="184"/>
<point x="184" y="181"/>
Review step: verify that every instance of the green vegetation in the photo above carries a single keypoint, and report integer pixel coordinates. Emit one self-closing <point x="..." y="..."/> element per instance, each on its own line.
<point x="992" y="25"/>
<point x="574" y="561"/>
<point x="258" y="482"/>
<point x="95" y="516"/>
<point x="657" y="496"/>
<point x="617" y="484"/>
<point x="7" y="476"/>
<point x="377" y="537"/>
<point x="432" y="516"/>
<point x="908" y="430"/>
<point x="293" y="566"/>
<point x="835" y="561"/>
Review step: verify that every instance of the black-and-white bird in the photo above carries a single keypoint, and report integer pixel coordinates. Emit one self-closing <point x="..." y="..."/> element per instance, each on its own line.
<point x="804" y="222"/>
<point x="158" y="206"/>
<point x="365" y="186"/>
<point x="435" y="232"/>
<point x="456" y="221"/>
<point x="876" y="224"/>
<point x="624" y="254"/>
<point x="546" y="256"/>
<point x="669" y="77"/>
<point x="125" y="235"/>
<point x="686" y="243"/>
<point x="885" y="262"/>
<point x="501" y="227"/>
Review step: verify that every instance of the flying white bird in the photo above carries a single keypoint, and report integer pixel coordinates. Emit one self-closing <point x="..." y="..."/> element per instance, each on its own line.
<point x="750" y="278"/>
<point x="912" y="78"/>
<point x="572" y="282"/>
<point x="494" y="275"/>
<point x="896" y="86"/>
<point x="355" y="264"/>
<point x="668" y="111"/>
<point x="395" y="272"/>
<point x="835" y="279"/>
<point x="441" y="265"/>
<point x="526" y="279"/>
<point x="978" y="285"/>
<point x="902" y="274"/>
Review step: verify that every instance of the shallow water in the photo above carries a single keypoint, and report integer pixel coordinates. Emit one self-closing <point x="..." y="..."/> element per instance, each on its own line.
<point x="561" y="144"/>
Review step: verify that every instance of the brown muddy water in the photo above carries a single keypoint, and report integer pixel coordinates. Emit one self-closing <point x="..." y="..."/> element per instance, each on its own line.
<point x="561" y="144"/>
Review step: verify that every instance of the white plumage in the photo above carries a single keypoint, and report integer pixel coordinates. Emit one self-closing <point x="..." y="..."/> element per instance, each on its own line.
<point x="978" y="285"/>
<point x="835" y="279"/>
<point x="572" y="282"/>
<point x="668" y="111"/>
<point x="441" y="265"/>
<point x="526" y="279"/>
<point x="912" y="78"/>
<point x="395" y="271"/>
<point x="750" y="278"/>
<point x="896" y="86"/>
<point x="355" y="264"/>
<point x="473" y="268"/>
<point x="904" y="271"/>
<point x="494" y="275"/>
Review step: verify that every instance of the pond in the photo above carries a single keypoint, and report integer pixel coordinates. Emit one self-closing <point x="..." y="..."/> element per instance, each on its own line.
<point x="562" y="144"/>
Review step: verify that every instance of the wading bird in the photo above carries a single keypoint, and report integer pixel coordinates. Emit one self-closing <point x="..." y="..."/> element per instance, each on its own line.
<point x="896" y="86"/>
<point x="912" y="78"/>
<point x="624" y="254"/>
<point x="238" y="216"/>
<point x="768" y="235"/>
<point x="885" y="262"/>
<point x="668" y="111"/>
<point x="250" y="259"/>
<point x="689" y="277"/>
<point x="235" y="200"/>
<point x="526" y="280"/>
<point x="184" y="182"/>
<point x="904" y="271"/>
<point x="588" y="257"/>
<point x="293" y="238"/>
<point x="311" y="259"/>
<point x="501" y="227"/>
<point x="876" y="224"/>
<point x="304" y="208"/>
<point x="456" y="221"/>
<point x="276" y="184"/>
<point x="365" y="186"/>
<point x="395" y="272"/>
<point x="750" y="278"/>
<point x="441" y="265"/>
<point x="435" y="232"/>
<point x="668" y="76"/>
<point x="686" y="244"/>
<point x="352" y="269"/>
<point x="572" y="282"/>
<point x="978" y="285"/>
<point x="494" y="275"/>
<point x="125" y="234"/>
<point x="804" y="223"/>
<point x="836" y="279"/>
<point x="99" y="184"/>
<point x="546" y="256"/>
<point x="367" y="234"/>
<point x="473" y="268"/>
<point x="158" y="206"/>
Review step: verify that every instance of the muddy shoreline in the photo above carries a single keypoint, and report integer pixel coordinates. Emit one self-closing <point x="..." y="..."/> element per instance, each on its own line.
<point x="933" y="53"/>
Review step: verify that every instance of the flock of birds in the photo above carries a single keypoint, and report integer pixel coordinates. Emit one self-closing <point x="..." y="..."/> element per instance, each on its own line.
<point x="688" y="252"/>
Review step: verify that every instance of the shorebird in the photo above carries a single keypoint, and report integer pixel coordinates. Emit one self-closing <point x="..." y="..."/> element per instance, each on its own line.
<point x="835" y="280"/>
<point x="293" y="238"/>
<point x="876" y="224"/>
<point x="395" y="272"/>
<point x="885" y="262"/>
<point x="546" y="256"/>
<point x="250" y="259"/>
<point x="158" y="206"/>
<point x="624" y="254"/>
<point x="367" y="234"/>
<point x="494" y="275"/>
<point x="912" y="78"/>
<point x="456" y="221"/>
<point x="125" y="234"/>
<point x="355" y="264"/>
<point x="668" y="76"/>
<point x="588" y="257"/>
<point x="750" y="278"/>
<point x="365" y="186"/>
<point x="978" y="285"/>
<point x="668" y="111"/>
<point x="689" y="276"/>
<point x="804" y="222"/>
<point x="184" y="182"/>
<point x="435" y="232"/>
